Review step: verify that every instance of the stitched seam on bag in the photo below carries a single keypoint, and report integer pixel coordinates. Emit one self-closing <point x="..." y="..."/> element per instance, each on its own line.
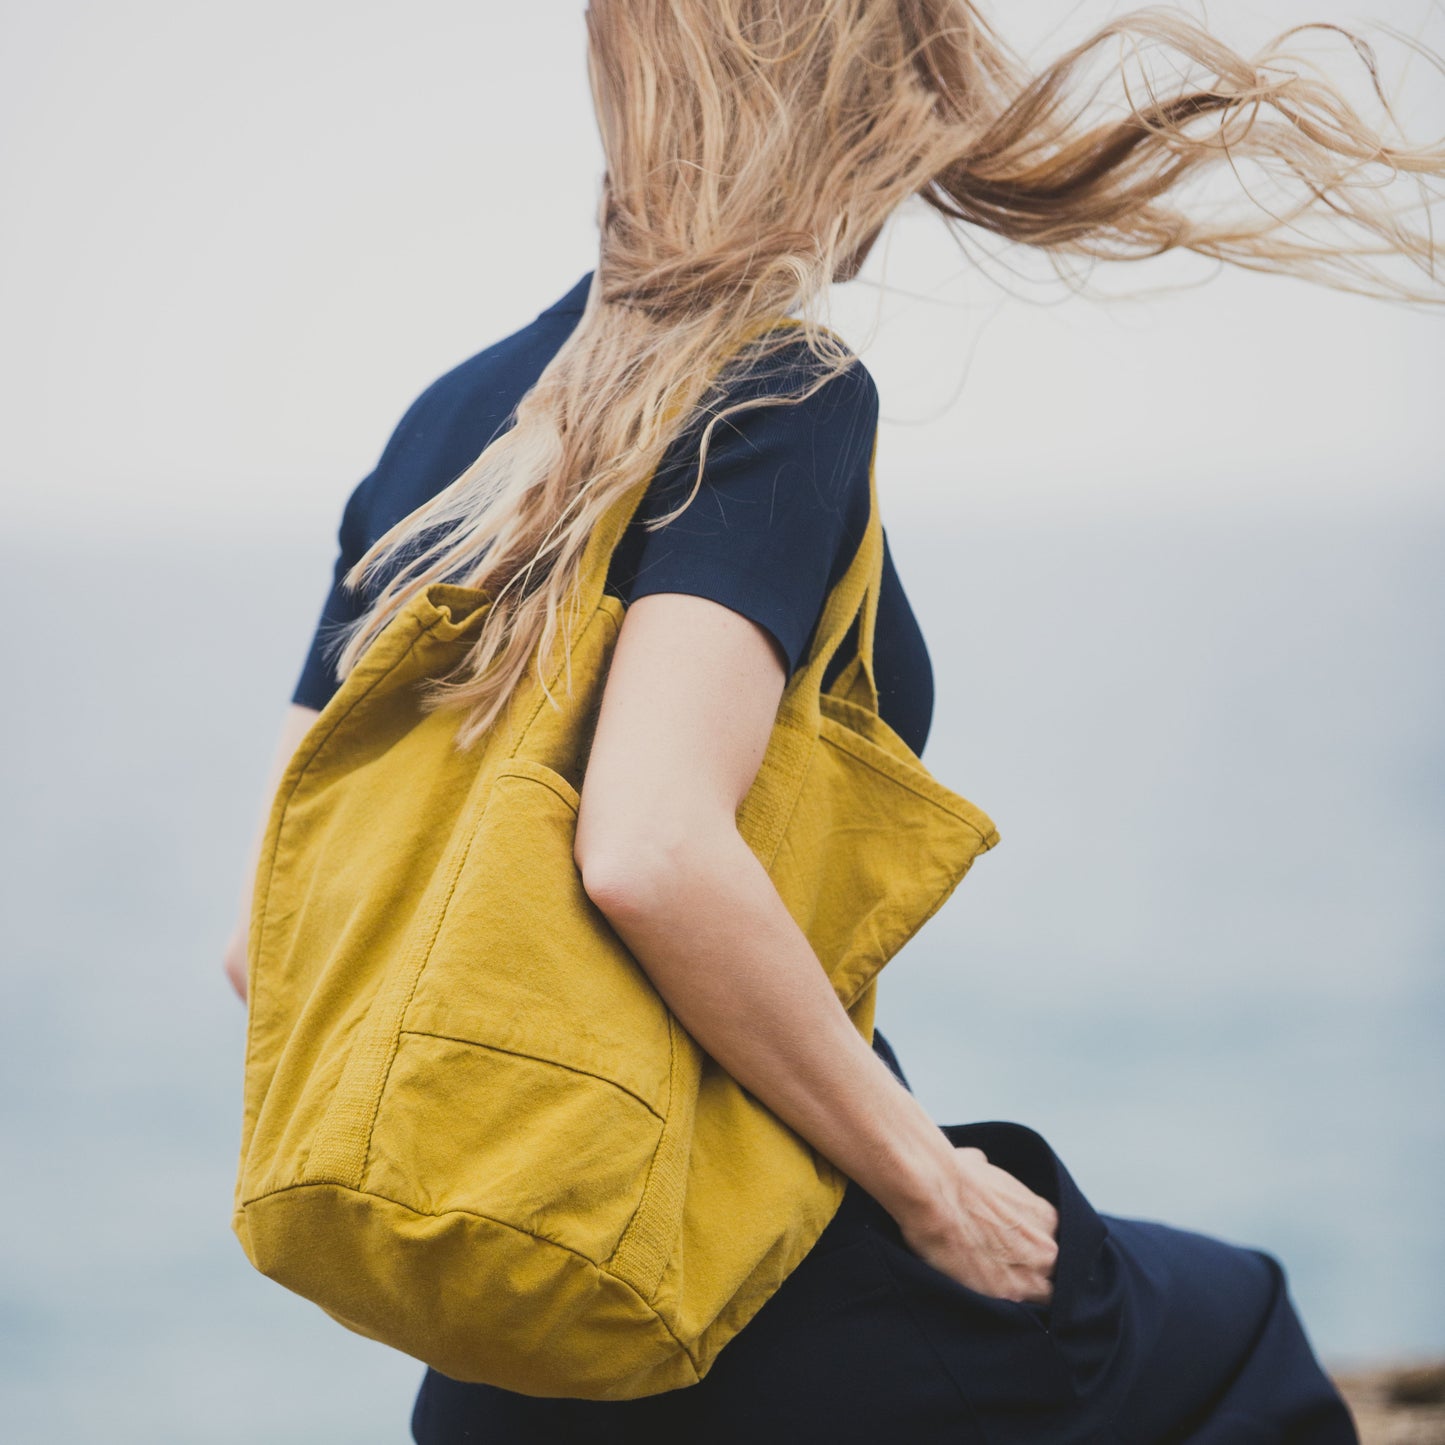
<point x="913" y="788"/>
<point x="536" y="1059"/>
<point x="421" y="631"/>
<point x="652" y="1161"/>
<point x="501" y="1224"/>
<point x="369" y="1192"/>
<point x="415" y="961"/>
<point x="556" y="784"/>
<point x="910" y="787"/>
<point x="933" y="908"/>
<point x="326" y="738"/>
<point x="374" y="1107"/>
<point x="793" y="805"/>
<point x="623" y="1239"/>
<point x="473" y="827"/>
<point x="552" y="681"/>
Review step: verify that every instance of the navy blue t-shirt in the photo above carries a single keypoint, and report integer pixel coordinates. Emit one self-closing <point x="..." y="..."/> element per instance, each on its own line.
<point x="779" y="515"/>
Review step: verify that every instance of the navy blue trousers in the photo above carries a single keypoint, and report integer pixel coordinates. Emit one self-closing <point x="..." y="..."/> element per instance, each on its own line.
<point x="1154" y="1336"/>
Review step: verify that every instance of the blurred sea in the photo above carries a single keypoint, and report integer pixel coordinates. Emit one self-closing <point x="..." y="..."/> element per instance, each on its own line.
<point x="1205" y="960"/>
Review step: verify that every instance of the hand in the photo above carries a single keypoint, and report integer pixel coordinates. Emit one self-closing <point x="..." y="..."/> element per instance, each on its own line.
<point x="235" y="960"/>
<point x="992" y="1234"/>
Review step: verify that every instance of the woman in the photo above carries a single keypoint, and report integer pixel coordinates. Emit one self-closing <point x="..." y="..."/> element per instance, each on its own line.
<point x="754" y="152"/>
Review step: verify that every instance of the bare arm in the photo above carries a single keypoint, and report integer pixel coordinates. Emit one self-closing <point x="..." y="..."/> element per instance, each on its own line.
<point x="294" y="726"/>
<point x="689" y="705"/>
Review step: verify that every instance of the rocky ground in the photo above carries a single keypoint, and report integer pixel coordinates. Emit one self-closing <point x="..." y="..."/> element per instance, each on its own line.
<point x="1398" y="1407"/>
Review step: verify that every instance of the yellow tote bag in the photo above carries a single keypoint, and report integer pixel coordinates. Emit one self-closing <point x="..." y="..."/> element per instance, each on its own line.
<point x="472" y="1128"/>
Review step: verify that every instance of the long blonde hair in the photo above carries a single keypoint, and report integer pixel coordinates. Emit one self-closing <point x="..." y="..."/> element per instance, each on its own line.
<point x="754" y="149"/>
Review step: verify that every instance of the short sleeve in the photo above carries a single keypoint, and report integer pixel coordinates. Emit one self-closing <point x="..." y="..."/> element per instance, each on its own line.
<point x="317" y="682"/>
<point x="781" y="507"/>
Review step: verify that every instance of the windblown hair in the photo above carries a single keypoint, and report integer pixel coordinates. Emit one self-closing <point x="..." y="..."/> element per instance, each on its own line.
<point x="755" y="148"/>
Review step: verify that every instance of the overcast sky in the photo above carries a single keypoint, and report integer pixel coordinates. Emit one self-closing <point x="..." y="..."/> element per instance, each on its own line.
<point x="238" y="240"/>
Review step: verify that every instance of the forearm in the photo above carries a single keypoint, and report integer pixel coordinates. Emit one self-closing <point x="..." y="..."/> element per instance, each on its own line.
<point x="711" y="931"/>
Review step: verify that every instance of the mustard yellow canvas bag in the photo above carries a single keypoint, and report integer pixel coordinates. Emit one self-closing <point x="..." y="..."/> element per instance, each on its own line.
<point x="472" y="1128"/>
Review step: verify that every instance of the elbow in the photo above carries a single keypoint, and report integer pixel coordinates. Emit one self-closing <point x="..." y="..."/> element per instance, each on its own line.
<point x="629" y="876"/>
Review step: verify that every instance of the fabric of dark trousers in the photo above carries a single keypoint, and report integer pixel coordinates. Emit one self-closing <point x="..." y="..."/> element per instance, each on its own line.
<point x="1154" y="1336"/>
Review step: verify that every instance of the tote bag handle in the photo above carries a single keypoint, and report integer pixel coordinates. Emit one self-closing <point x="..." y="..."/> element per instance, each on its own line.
<point x="763" y="816"/>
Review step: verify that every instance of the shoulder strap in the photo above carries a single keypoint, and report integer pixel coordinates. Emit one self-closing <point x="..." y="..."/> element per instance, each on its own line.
<point x="855" y="594"/>
<point x="858" y="682"/>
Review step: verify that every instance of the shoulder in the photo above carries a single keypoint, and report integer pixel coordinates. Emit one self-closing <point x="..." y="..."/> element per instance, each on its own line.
<point x="766" y="523"/>
<point x="782" y="445"/>
<point x="791" y="374"/>
<point x="788" y="415"/>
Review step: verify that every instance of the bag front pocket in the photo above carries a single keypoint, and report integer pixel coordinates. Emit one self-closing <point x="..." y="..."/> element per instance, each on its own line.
<point x="543" y="1149"/>
<point x="525" y="963"/>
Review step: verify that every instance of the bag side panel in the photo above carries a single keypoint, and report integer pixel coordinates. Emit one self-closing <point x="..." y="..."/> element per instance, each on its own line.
<point x="756" y="1198"/>
<point x="869" y="853"/>
<point x="894" y="847"/>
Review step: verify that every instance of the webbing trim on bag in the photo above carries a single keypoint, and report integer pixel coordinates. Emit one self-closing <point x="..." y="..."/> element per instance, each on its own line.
<point x="764" y="814"/>
<point x="647" y="1243"/>
<point x="386" y="654"/>
<point x="344" y="1138"/>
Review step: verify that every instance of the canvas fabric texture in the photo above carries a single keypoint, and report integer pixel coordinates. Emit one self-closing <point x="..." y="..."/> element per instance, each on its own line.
<point x="472" y="1128"/>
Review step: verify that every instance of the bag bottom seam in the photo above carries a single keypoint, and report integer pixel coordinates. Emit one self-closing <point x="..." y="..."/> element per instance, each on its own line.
<point x="490" y="1219"/>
